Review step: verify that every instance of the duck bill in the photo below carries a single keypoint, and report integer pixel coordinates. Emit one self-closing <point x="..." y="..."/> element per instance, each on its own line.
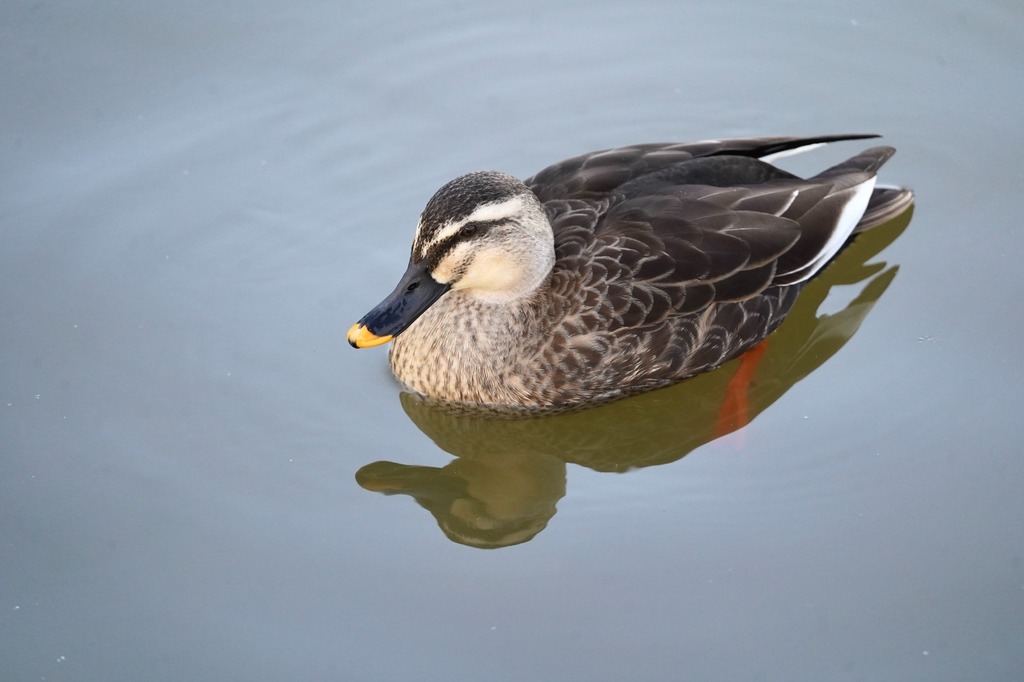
<point x="416" y="292"/>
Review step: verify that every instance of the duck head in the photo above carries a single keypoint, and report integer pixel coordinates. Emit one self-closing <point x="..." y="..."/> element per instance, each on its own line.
<point x="483" y="233"/>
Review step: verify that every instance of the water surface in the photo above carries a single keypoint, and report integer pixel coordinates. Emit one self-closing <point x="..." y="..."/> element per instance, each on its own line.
<point x="199" y="199"/>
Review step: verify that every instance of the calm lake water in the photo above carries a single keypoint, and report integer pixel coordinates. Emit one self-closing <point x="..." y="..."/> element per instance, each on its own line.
<point x="200" y="480"/>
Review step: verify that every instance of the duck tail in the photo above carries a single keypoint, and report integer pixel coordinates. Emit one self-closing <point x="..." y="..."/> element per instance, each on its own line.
<point x="886" y="202"/>
<point x="868" y="161"/>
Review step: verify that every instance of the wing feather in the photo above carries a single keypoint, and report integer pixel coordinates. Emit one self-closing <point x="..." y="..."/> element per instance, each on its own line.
<point x="564" y="180"/>
<point x="653" y="235"/>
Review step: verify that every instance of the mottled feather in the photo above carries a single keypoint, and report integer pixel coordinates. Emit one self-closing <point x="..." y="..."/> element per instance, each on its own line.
<point x="669" y="259"/>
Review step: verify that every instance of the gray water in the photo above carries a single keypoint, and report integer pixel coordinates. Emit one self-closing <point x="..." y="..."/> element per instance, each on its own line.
<point x="198" y="199"/>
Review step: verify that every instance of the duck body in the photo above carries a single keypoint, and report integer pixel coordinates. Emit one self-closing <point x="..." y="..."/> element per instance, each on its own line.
<point x="615" y="272"/>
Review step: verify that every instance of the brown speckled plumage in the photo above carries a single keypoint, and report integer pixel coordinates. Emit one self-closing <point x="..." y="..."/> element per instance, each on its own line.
<point x="669" y="260"/>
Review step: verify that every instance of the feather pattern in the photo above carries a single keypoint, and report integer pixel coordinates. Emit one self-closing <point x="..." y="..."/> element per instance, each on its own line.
<point x="621" y="270"/>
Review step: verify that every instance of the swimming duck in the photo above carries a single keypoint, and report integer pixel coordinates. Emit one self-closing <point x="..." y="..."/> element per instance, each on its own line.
<point x="617" y="271"/>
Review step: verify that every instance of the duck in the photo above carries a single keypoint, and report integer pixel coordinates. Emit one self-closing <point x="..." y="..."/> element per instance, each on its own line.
<point x="617" y="271"/>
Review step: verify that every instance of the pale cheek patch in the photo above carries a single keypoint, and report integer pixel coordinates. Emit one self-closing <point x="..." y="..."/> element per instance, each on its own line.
<point x="491" y="271"/>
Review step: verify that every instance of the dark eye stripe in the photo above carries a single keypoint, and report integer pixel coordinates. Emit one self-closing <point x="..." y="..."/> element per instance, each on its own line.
<point x="477" y="226"/>
<point x="466" y="232"/>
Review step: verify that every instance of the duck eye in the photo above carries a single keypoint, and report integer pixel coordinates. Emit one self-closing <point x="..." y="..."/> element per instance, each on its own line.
<point x="470" y="229"/>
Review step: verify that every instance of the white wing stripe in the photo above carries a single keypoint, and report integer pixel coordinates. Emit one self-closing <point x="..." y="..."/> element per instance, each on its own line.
<point x="849" y="216"/>
<point x="771" y="158"/>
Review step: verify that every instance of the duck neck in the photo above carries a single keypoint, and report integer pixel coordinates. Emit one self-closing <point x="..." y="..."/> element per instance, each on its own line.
<point x="468" y="348"/>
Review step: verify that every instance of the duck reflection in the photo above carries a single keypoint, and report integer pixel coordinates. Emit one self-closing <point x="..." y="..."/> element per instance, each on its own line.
<point x="509" y="471"/>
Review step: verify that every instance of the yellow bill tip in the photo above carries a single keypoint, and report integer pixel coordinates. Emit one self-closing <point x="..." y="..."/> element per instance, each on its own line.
<point x="361" y="337"/>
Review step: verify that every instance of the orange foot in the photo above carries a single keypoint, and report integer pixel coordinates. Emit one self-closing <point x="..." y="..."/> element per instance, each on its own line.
<point x="735" y="411"/>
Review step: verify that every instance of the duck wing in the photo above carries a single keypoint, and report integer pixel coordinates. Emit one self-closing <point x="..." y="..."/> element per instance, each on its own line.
<point x="703" y="231"/>
<point x="664" y="256"/>
<point x="591" y="176"/>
